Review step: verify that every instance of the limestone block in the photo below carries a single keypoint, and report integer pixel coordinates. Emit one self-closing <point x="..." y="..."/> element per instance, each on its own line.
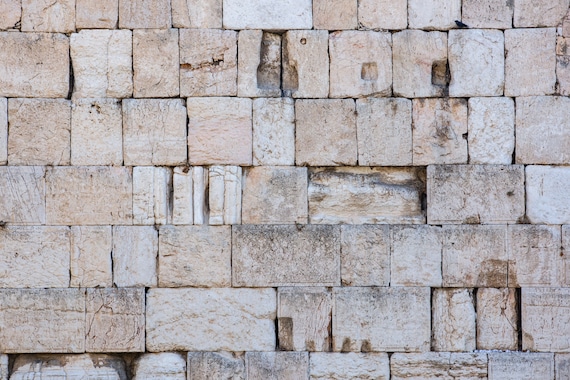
<point x="3" y="367"/>
<point x="193" y="319"/>
<point x="267" y="14"/>
<point x="216" y="365"/>
<point x="22" y="194"/>
<point x="4" y="131"/>
<point x="521" y="365"/>
<point x="529" y="14"/>
<point x="453" y="320"/>
<point x="304" y="319"/>
<point x="564" y="267"/>
<point x="208" y="62"/>
<point x="497" y="319"/>
<point x="156" y="63"/>
<point x="360" y="64"/>
<point x="384" y="131"/>
<point x="383" y="14"/>
<point x="275" y="195"/>
<point x="378" y="319"/>
<point x="534" y="48"/>
<point x="48" y="16"/>
<point x="366" y="195"/>
<point x="277" y="365"/>
<point x="196" y="13"/>
<point x="416" y="256"/>
<point x="325" y="132"/>
<point x="182" y="195"/>
<point x="39" y="131"/>
<point x="194" y="256"/>
<point x="101" y="14"/>
<point x="259" y="64"/>
<point x="144" y="14"/>
<point x="154" y="132"/>
<point x="135" y="253"/>
<point x="490" y="14"/>
<point x="219" y="131"/>
<point x="284" y="255"/>
<point x="474" y="194"/>
<point x="305" y="62"/>
<point x="365" y="255"/>
<point x="151" y="195"/>
<point x="562" y="369"/>
<point x="546" y="202"/>
<point x="11" y="11"/>
<point x="335" y="15"/>
<point x="200" y="184"/>
<point x="438" y="366"/>
<point x="88" y="195"/>
<point x="114" y="320"/>
<point x="91" y="264"/>
<point x="491" y="130"/>
<point x="475" y="256"/>
<point x="420" y="64"/>
<point x="34" y="257"/>
<point x="216" y="195"/>
<point x="229" y="198"/>
<point x="93" y="366"/>
<point x="34" y="65"/>
<point x="433" y="14"/>
<point x="164" y="365"/>
<point x="42" y="320"/>
<point x="102" y="63"/>
<point x="96" y="132"/>
<point x="274" y="131"/>
<point x="563" y="74"/>
<point x="351" y="365"/>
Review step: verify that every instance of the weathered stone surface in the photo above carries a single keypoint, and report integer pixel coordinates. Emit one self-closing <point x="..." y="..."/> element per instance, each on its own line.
<point x="91" y="264"/>
<point x="475" y="194"/>
<point x="208" y="62"/>
<point x="497" y="319"/>
<point x="22" y="194"/>
<point x="11" y="11"/>
<point x="382" y="14"/>
<point x="433" y="14"/>
<point x="182" y="195"/>
<point x="491" y="14"/>
<point x="521" y="365"/>
<point x="304" y="319"/>
<point x="360" y="64"/>
<point x="274" y="131"/>
<point x="198" y="320"/>
<point x="529" y="14"/>
<point x="200" y="184"/>
<point x="267" y="14"/>
<point x="3" y="131"/>
<point x="366" y="195"/>
<point x="378" y="319"/>
<point x="384" y="131"/>
<point x="546" y="202"/>
<point x="194" y="256"/>
<point x="335" y="15"/>
<point x="277" y="365"/>
<point x="101" y="14"/>
<point x="563" y="74"/>
<point x="102" y="63"/>
<point x="224" y="195"/>
<point x="86" y="366"/>
<point x="39" y="131"/>
<point x="216" y="365"/>
<point x="3" y="367"/>
<point x="96" y="132"/>
<point x="351" y="365"/>
<point x="48" y="16"/>
<point x="526" y="48"/>
<point x="491" y="130"/>
<point x="438" y="366"/>
<point x="164" y="365"/>
<point x="259" y="64"/>
<point x="453" y="320"/>
<point x="219" y="131"/>
<point x="365" y="255"/>
<point x="196" y="13"/>
<point x="135" y="252"/>
<point x="562" y="369"/>
<point x="151" y="195"/>
<point x="144" y="14"/>
<point x="42" y="320"/>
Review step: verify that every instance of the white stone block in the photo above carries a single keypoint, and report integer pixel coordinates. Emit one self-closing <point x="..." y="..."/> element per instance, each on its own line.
<point x="259" y="64"/>
<point x="216" y="365"/>
<point x="433" y="14"/>
<point x="335" y="15"/>
<point x="224" y="195"/>
<point x="22" y="195"/>
<point x="520" y="365"/>
<point x="196" y="13"/>
<point x="48" y="16"/>
<point x="200" y="184"/>
<point x="101" y="14"/>
<point x="4" y="131"/>
<point x="11" y="11"/>
<point x="546" y="200"/>
<point x="382" y="14"/>
<point x="497" y="319"/>
<point x="135" y="255"/>
<point x="438" y="366"/>
<point x="562" y="366"/>
<point x="453" y="320"/>
<point x="274" y="131"/>
<point x="164" y="365"/>
<point x="144" y="14"/>
<point x="94" y="366"/>
<point x="491" y="14"/>
<point x="216" y="195"/>
<point x="182" y="195"/>
<point x="91" y="264"/>
<point x="277" y="365"/>
<point x="529" y="14"/>
<point x="267" y="14"/>
<point x="350" y="365"/>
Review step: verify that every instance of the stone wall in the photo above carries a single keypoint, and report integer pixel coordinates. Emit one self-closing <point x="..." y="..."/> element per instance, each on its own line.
<point x="284" y="189"/>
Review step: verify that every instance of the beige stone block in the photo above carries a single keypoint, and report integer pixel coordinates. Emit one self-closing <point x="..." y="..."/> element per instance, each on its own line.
<point x="491" y="130"/>
<point x="193" y="319"/>
<point x="4" y="131"/>
<point x="453" y="320"/>
<point x="472" y="194"/>
<point x="420" y="64"/>
<point x="534" y="48"/>
<point x="335" y="15"/>
<point x="102" y="63"/>
<point x="182" y="195"/>
<point x="383" y="14"/>
<point x="224" y="195"/>
<point x="562" y="366"/>
<point x="564" y="267"/>
<point x="305" y="63"/>
<point x="546" y="200"/>
<point x="42" y="320"/>
<point x="91" y="264"/>
<point x="274" y="131"/>
<point x="216" y="365"/>
<point x="384" y="131"/>
<point x="144" y="14"/>
<point x="101" y="14"/>
<point x="365" y="255"/>
<point x="325" y="132"/>
<point x="151" y="195"/>
<point x="283" y="255"/>
<point x="34" y="65"/>
<point x="491" y="14"/>
<point x="267" y="14"/>
<point x="48" y="16"/>
<point x="96" y="132"/>
<point x="438" y="366"/>
<point x="529" y="14"/>
<point x="164" y="365"/>
<point x="520" y="365"/>
<point x="22" y="195"/>
<point x="220" y="131"/>
<point x="563" y="75"/>
<point x="350" y="365"/>
<point x="11" y="11"/>
<point x="200" y="184"/>
<point x="196" y="13"/>
<point x="86" y="366"/>
<point x="366" y="195"/>
<point x="135" y="256"/>
<point x="39" y="131"/>
<point x="378" y="319"/>
<point x="277" y="365"/>
<point x="433" y="14"/>
<point x="3" y="367"/>
<point x="416" y="256"/>
<point x="497" y="319"/>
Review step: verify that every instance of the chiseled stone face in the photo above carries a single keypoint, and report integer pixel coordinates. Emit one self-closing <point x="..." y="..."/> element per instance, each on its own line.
<point x="91" y="263"/>
<point x="48" y="16"/>
<point x="497" y="319"/>
<point x="144" y="14"/>
<point x="135" y="252"/>
<point x="453" y="320"/>
<point x="273" y="131"/>
<point x="335" y="15"/>
<point x="22" y="195"/>
<point x="267" y="14"/>
<point x="383" y="14"/>
<point x="259" y="64"/>
<point x="196" y="13"/>
<point x="520" y="365"/>
<point x="546" y="201"/>
<point x="100" y="14"/>
<point x="4" y="131"/>
<point x="433" y="14"/>
<point x="164" y="365"/>
<point x="529" y="14"/>
<point x="11" y="11"/>
<point x="488" y="13"/>
<point x="349" y="365"/>
<point x="438" y="365"/>
<point x="216" y="365"/>
<point x="277" y="365"/>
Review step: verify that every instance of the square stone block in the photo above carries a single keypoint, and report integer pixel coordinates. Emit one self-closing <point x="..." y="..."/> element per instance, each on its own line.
<point x="22" y="195"/>
<point x="274" y="131"/>
<point x="91" y="262"/>
<point x="135" y="256"/>
<point x="546" y="200"/>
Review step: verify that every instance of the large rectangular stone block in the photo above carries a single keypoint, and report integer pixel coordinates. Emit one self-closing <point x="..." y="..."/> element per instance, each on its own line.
<point x="22" y="194"/>
<point x="453" y="320"/>
<point x="336" y="14"/>
<point x="274" y="131"/>
<point x="438" y="366"/>
<point x="350" y="365"/>
<point x="101" y="14"/>
<point x="267" y="14"/>
<point x="520" y="365"/>
<point x="163" y="365"/>
<point x="48" y="16"/>
<point x="529" y="14"/>
<point x="382" y="14"/>
<point x="91" y="262"/>
<point x="216" y="365"/>
<point x="144" y="14"/>
<point x="491" y="14"/>
<point x="135" y="256"/>
<point x="546" y="200"/>
<point x="497" y="319"/>
<point x="433" y="14"/>
<point x="196" y="13"/>
<point x="85" y="366"/>
<point x="277" y="365"/>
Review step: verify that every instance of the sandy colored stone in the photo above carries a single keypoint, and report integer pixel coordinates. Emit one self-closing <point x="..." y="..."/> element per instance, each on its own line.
<point x="193" y="319"/>
<point x="267" y="14"/>
<point x="182" y="195"/>
<point x="453" y="320"/>
<point x="563" y="74"/>
<point x="144" y="14"/>
<point x="135" y="256"/>
<point x="91" y="264"/>
<point x="274" y="131"/>
<point x="48" y="16"/>
<point x="284" y="255"/>
<point x="491" y="14"/>
<point x="497" y="319"/>
<point x="335" y="15"/>
<point x="152" y="195"/>
<point x="562" y="368"/>
<point x="164" y="365"/>
<point x="383" y="14"/>
<point x="100" y="14"/>
<point x="351" y="365"/>
<point x="438" y="366"/>
<point x="11" y="11"/>
<point x="546" y="201"/>
<point x="22" y="194"/>
<point x="3" y="367"/>
<point x="96" y="132"/>
<point x="200" y="185"/>
<point x="433" y="14"/>
<point x="529" y="14"/>
<point x="216" y="365"/>
<point x="4" y="131"/>
<point x="277" y="365"/>
<point x="224" y="195"/>
<point x="196" y="13"/>
<point x="521" y="365"/>
<point x="86" y="366"/>
<point x="39" y="131"/>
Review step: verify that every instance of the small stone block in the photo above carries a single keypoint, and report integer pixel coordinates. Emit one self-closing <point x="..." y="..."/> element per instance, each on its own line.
<point x="144" y="14"/>
<point x="453" y="320"/>
<point x="520" y="365"/>
<point x="438" y="365"/>
<point x="349" y="365"/>
<point x="86" y="366"/>
<point x="529" y="14"/>
<point x="22" y="195"/>
<point x="100" y="14"/>
<point x="497" y="319"/>
<point x="274" y="131"/>
<point x="216" y="365"/>
<point x="335" y="15"/>
<point x="433" y="14"/>
<point x="382" y="14"/>
<point x="164" y="365"/>
<point x="135" y="252"/>
<point x="277" y="365"/>
<point x="267" y="14"/>
<point x="48" y="16"/>
<point x="546" y="200"/>
<point x="91" y="264"/>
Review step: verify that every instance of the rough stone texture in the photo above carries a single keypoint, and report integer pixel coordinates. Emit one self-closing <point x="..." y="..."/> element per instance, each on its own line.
<point x="491" y="130"/>
<point x="267" y="14"/>
<point x="165" y="365"/>
<point x="22" y="194"/>
<point x="563" y="70"/>
<point x="135" y="251"/>
<point x="4" y="131"/>
<point x="182" y="195"/>
<point x="200" y="184"/>
<point x="101" y="14"/>
<point x="360" y="64"/>
<point x="216" y="365"/>
<point x="497" y="319"/>
<point x="219" y="131"/>
<point x="151" y="195"/>
<point x="474" y="194"/>
<point x="488" y="13"/>
<point x="48" y="16"/>
<point x="546" y="202"/>
<point x="382" y="14"/>
<point x="91" y="264"/>
<point x="366" y="195"/>
<point x="530" y="14"/>
<point x="102" y="63"/>
<point x="365" y="255"/>
<point x="304" y="319"/>
<point x="283" y="255"/>
<point x="11" y="11"/>
<point x="277" y="365"/>
<point x="378" y="319"/>
<point x="521" y="365"/>
<point x="208" y="62"/>
<point x="194" y="256"/>
<point x="438" y="366"/>
<point x="93" y="366"/>
<point x="351" y="365"/>
<point x="39" y="131"/>
<point x="433" y="14"/>
<point x="198" y="320"/>
<point x="144" y="14"/>
<point x="42" y="320"/>
<point x="562" y="369"/>
<point x="225" y="194"/>
<point x="384" y="131"/>
<point x="196" y="13"/>
<point x="335" y="15"/>
<point x="453" y="320"/>
<point x="274" y="131"/>
<point x="527" y="48"/>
